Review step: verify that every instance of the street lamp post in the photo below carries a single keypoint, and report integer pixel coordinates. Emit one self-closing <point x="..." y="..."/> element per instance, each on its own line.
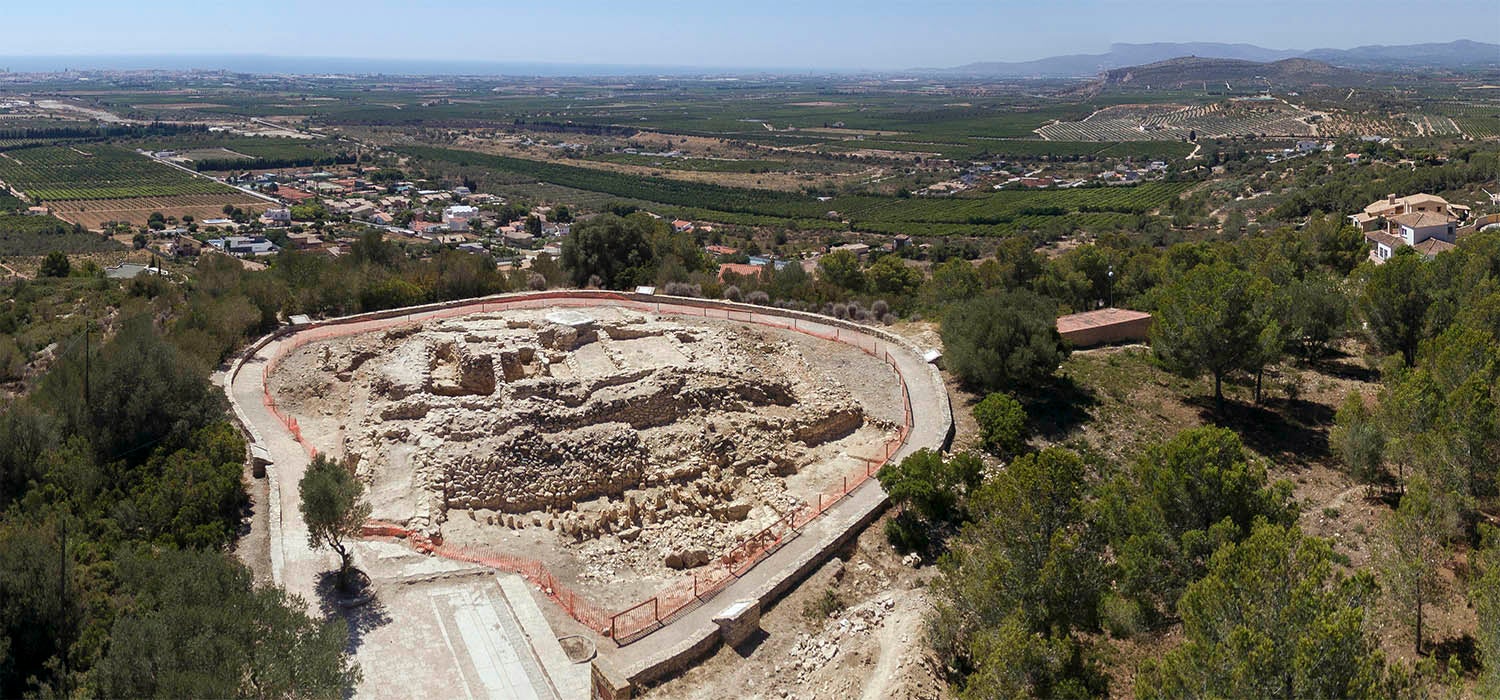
<point x="1110" y="288"/>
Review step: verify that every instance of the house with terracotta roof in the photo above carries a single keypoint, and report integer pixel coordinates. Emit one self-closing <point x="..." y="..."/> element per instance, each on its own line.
<point x="1426" y="222"/>
<point x="1373" y="216"/>
<point x="720" y="250"/>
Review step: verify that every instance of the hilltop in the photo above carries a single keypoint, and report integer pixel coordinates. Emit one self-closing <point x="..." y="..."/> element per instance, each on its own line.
<point x="1192" y="71"/>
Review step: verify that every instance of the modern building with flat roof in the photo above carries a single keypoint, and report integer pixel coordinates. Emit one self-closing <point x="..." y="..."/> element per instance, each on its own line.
<point x="1104" y="327"/>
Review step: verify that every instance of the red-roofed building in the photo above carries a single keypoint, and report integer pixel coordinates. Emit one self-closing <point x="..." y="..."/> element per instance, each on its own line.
<point x="1104" y="326"/>
<point x="721" y="250"/>
<point x="740" y="269"/>
<point x="681" y="226"/>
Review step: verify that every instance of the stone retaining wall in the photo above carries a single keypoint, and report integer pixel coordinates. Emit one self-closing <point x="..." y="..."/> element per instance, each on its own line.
<point x="786" y="567"/>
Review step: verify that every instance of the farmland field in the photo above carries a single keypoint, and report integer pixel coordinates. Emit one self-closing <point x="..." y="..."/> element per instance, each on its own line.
<point x="712" y="165"/>
<point x="1477" y="121"/>
<point x="991" y="213"/>
<point x="256" y="153"/>
<point x="1169" y="122"/>
<point x="92" y="213"/>
<point x="96" y="171"/>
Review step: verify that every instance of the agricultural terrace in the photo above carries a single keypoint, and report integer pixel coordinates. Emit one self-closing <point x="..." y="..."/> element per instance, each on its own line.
<point x="1177" y="122"/>
<point x="96" y="171"/>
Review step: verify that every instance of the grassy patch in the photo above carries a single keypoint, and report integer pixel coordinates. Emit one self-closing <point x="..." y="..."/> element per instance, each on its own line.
<point x="823" y="607"/>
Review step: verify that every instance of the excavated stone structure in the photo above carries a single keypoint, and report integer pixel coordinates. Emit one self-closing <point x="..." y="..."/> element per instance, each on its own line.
<point x="610" y="422"/>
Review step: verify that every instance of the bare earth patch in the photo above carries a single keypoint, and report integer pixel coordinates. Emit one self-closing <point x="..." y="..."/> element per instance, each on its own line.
<point x="92" y="213"/>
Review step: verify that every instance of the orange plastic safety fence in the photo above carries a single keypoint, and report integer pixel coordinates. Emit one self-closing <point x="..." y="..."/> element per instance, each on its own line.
<point x="641" y="618"/>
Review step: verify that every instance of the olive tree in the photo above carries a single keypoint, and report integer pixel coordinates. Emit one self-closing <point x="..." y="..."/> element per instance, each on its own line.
<point x="332" y="509"/>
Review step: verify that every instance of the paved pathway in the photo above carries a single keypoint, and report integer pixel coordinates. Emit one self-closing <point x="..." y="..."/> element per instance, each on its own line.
<point x="297" y="567"/>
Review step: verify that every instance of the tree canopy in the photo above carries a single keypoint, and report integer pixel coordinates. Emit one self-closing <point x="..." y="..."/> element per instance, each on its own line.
<point x="1212" y="320"/>
<point x="332" y="508"/>
<point x="199" y="628"/>
<point x="1178" y="503"/>
<point x="1000" y="342"/>
<point x="1271" y="619"/>
<point x="614" y="249"/>
<point x="1023" y="573"/>
<point x="1393" y="303"/>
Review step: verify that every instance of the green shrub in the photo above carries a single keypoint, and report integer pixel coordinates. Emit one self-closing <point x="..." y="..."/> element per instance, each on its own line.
<point x="56" y="265"/>
<point x="1121" y="616"/>
<point x="824" y="606"/>
<point x="907" y="533"/>
<point x="1358" y="440"/>
<point x="1000" y="342"/>
<point x="1002" y="425"/>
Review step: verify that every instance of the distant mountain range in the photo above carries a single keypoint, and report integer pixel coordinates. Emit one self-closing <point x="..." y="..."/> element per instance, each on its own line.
<point x="1455" y="55"/>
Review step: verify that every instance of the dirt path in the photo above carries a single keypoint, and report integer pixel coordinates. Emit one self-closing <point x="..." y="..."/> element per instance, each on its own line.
<point x="871" y="648"/>
<point x="896" y="639"/>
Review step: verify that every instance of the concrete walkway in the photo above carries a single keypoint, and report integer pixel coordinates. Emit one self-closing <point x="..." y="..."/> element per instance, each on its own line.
<point x="297" y="567"/>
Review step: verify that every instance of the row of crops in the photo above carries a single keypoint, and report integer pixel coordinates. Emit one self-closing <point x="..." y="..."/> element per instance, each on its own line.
<point x="13" y="144"/>
<point x="1479" y="127"/>
<point x="1430" y="125"/>
<point x="990" y="213"/>
<point x="708" y="165"/>
<point x="96" y="171"/>
<point x="1476" y="120"/>
<point x="255" y="153"/>
<point x="1153" y="124"/>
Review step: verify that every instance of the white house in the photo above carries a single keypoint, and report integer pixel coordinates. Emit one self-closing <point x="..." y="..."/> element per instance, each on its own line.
<point x="457" y="216"/>
<point x="1423" y="221"/>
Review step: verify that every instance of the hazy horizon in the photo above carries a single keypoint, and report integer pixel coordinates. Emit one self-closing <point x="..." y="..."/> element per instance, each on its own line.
<point x="836" y="36"/>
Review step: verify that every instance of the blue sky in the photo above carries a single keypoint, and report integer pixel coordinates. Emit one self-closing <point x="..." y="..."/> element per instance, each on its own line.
<point x="834" y="34"/>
